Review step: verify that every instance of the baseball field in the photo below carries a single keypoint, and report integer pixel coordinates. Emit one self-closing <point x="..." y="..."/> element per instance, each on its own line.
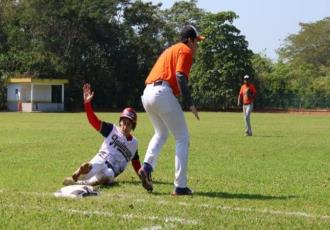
<point x="277" y="179"/>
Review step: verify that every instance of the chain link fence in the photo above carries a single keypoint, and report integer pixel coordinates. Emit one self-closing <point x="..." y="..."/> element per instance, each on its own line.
<point x="293" y="101"/>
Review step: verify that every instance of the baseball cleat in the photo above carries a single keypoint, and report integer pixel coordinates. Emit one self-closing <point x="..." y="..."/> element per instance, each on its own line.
<point x="182" y="191"/>
<point x="146" y="179"/>
<point x="248" y="134"/>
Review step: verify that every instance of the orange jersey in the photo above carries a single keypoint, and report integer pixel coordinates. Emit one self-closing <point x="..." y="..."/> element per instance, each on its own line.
<point x="177" y="58"/>
<point x="243" y="93"/>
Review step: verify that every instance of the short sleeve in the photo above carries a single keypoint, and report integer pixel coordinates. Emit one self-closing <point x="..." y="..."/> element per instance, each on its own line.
<point x="184" y="63"/>
<point x="106" y="129"/>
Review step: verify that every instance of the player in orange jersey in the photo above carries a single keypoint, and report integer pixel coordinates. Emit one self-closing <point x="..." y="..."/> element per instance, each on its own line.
<point x="167" y="80"/>
<point x="247" y="95"/>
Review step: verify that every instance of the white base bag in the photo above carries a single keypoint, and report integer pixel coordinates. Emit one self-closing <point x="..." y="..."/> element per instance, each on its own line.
<point x="77" y="191"/>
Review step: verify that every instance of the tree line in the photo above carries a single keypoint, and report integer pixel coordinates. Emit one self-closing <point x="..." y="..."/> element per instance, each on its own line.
<point x="113" y="44"/>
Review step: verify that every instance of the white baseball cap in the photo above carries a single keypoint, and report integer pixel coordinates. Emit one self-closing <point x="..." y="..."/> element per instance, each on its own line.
<point x="246" y="77"/>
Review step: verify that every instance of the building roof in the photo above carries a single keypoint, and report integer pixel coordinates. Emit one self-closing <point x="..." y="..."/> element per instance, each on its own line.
<point x="48" y="81"/>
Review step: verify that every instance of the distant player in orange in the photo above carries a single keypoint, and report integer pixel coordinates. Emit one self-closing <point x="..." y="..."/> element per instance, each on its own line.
<point x="167" y="80"/>
<point x="246" y="95"/>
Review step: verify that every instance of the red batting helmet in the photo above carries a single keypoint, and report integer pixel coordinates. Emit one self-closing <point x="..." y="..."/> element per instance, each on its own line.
<point x="130" y="114"/>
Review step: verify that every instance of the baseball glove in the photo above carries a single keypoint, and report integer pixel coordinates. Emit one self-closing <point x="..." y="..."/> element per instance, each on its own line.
<point x="249" y="93"/>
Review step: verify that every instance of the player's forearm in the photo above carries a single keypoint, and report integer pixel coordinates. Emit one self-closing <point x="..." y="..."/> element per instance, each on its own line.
<point x="239" y="99"/>
<point x="92" y="118"/>
<point x="136" y="165"/>
<point x="185" y="92"/>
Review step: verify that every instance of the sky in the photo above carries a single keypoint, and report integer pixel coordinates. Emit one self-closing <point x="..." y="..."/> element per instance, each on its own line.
<point x="266" y="23"/>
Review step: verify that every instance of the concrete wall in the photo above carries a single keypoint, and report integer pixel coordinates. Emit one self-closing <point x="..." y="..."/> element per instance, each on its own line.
<point x="43" y="107"/>
<point x="41" y="93"/>
<point x="48" y="107"/>
<point x="11" y="92"/>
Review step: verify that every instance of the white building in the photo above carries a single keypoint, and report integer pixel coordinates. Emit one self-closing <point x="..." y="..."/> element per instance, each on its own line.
<point x="33" y="94"/>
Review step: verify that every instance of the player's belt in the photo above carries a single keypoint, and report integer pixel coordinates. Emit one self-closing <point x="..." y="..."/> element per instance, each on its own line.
<point x="111" y="167"/>
<point x="156" y="83"/>
<point x="164" y="83"/>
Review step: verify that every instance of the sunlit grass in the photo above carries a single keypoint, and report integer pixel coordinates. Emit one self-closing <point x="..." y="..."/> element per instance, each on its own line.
<point x="279" y="178"/>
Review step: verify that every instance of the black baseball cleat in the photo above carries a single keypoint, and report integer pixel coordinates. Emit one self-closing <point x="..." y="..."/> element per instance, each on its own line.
<point x="145" y="176"/>
<point x="182" y="191"/>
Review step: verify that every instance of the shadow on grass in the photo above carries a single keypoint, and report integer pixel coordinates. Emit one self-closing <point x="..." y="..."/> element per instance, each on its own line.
<point x="226" y="195"/>
<point x="106" y="187"/>
<point x="119" y="183"/>
<point x="222" y="195"/>
<point x="268" y="136"/>
<point x="139" y="182"/>
<point x="162" y="182"/>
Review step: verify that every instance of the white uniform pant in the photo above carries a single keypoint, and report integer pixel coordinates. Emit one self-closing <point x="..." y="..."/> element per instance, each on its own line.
<point x="166" y="114"/>
<point x="247" y="109"/>
<point x="99" y="171"/>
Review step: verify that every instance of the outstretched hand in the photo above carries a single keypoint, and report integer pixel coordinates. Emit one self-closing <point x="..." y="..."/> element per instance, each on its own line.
<point x="194" y="111"/>
<point x="88" y="94"/>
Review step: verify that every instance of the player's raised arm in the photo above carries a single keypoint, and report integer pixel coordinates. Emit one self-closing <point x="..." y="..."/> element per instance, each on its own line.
<point x="92" y="118"/>
<point x="88" y="93"/>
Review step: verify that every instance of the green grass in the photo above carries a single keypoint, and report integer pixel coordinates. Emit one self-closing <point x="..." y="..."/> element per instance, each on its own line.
<point x="277" y="179"/>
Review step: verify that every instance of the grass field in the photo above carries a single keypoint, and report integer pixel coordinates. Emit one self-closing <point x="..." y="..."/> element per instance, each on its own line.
<point x="277" y="179"/>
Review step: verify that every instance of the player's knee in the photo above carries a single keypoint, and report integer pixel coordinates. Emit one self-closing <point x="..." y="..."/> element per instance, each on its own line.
<point x="182" y="137"/>
<point x="106" y="180"/>
<point x="162" y="137"/>
<point x="86" y="168"/>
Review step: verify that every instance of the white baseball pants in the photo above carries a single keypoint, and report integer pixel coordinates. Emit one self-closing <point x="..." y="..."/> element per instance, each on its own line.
<point x="99" y="171"/>
<point x="247" y="109"/>
<point x="165" y="114"/>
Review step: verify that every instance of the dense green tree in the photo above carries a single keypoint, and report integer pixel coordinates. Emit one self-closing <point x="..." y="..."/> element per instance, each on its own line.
<point x="223" y="59"/>
<point x="113" y="44"/>
<point x="3" y="56"/>
<point x="311" y="45"/>
<point x="180" y="14"/>
<point x="307" y="54"/>
<point x="82" y="41"/>
<point x="144" y="42"/>
<point x="62" y="39"/>
<point x="279" y="93"/>
<point x="262" y="67"/>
